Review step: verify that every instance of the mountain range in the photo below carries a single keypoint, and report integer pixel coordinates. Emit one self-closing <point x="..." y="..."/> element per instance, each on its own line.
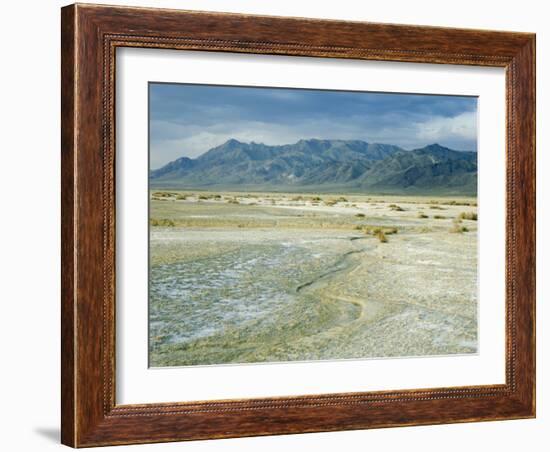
<point x="324" y="165"/>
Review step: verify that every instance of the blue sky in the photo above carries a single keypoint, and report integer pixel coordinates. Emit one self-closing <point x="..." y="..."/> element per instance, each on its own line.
<point x="188" y="120"/>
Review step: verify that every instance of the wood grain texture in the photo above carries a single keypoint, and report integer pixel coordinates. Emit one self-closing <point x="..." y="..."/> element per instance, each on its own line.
<point x="68" y="147"/>
<point x="90" y="36"/>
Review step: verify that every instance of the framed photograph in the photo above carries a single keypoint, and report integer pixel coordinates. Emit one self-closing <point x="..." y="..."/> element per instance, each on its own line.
<point x="281" y="225"/>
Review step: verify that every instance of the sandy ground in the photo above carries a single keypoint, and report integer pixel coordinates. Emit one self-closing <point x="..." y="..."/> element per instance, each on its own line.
<point x="281" y="277"/>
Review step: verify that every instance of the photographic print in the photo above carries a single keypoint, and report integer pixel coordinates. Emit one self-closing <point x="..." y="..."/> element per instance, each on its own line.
<point x="301" y="224"/>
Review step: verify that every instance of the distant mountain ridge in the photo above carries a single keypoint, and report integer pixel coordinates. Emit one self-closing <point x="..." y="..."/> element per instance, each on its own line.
<point x="323" y="165"/>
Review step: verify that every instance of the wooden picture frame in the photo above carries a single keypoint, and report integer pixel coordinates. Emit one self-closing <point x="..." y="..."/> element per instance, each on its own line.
<point x="90" y="36"/>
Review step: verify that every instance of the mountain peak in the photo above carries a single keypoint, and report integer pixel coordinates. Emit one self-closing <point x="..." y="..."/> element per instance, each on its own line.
<point x="434" y="146"/>
<point x="232" y="142"/>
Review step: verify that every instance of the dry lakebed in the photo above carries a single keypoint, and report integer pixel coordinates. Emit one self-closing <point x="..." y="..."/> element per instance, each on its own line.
<point x="270" y="277"/>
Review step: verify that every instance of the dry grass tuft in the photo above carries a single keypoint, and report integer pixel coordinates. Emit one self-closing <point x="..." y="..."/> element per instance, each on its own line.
<point x="396" y="208"/>
<point x="380" y="232"/>
<point x="468" y="216"/>
<point x="382" y="237"/>
<point x="163" y="222"/>
<point x="163" y="194"/>
<point x="458" y="228"/>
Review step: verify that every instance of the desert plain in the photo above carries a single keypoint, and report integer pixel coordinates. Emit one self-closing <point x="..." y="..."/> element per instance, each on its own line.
<point x="269" y="277"/>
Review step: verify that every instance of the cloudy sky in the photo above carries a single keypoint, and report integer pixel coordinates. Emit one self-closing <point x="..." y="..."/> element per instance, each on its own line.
<point x="188" y="120"/>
